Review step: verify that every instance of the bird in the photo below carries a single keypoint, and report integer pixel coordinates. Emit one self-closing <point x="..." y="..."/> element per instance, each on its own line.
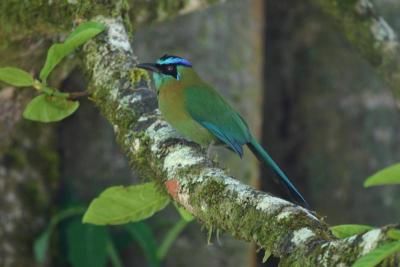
<point x="199" y="113"/>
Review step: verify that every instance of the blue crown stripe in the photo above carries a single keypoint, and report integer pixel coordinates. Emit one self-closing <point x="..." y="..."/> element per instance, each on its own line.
<point x="174" y="60"/>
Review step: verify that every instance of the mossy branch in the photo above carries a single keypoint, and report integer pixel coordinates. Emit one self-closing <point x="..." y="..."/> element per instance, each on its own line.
<point x="370" y="34"/>
<point x="157" y="152"/>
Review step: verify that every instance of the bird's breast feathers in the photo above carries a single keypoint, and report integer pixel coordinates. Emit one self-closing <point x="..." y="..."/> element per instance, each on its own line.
<point x="173" y="106"/>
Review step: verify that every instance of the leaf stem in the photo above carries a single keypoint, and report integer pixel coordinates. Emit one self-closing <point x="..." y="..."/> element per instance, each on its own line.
<point x="170" y="237"/>
<point x="38" y="85"/>
<point x="76" y="95"/>
<point x="113" y="254"/>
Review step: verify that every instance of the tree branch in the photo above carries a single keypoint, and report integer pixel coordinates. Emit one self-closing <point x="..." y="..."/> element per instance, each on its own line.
<point x="220" y="202"/>
<point x="369" y="33"/>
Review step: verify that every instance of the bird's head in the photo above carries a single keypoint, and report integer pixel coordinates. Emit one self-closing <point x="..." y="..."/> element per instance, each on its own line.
<point x="167" y="68"/>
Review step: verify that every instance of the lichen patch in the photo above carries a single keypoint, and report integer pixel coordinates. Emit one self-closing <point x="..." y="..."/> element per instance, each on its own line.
<point x="285" y="214"/>
<point x="159" y="132"/>
<point x="271" y="204"/>
<point x="301" y="236"/>
<point x="370" y="240"/>
<point x="117" y="36"/>
<point x="182" y="157"/>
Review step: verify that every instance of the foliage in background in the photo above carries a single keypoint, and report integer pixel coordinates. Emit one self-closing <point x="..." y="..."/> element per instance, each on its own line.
<point x="386" y="176"/>
<point x="51" y="104"/>
<point x="93" y="245"/>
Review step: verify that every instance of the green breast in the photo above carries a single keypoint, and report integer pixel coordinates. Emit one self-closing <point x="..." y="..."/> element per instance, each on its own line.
<point x="171" y="101"/>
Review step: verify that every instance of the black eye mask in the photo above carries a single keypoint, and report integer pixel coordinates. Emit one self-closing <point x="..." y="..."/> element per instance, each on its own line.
<point x="169" y="69"/>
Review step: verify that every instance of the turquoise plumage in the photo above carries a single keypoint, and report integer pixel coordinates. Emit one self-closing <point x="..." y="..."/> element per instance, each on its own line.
<point x="200" y="113"/>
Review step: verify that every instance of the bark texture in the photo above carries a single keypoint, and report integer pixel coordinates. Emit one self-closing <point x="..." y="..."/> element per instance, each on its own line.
<point x="216" y="199"/>
<point x="28" y="176"/>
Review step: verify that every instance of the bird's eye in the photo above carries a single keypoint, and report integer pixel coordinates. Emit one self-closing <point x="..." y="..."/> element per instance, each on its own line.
<point x="170" y="68"/>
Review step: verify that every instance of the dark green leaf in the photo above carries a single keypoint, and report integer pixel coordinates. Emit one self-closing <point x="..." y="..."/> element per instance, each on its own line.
<point x="184" y="214"/>
<point x="143" y="235"/>
<point x="41" y="245"/>
<point x="374" y="257"/>
<point x="16" y="77"/>
<point x="118" y="204"/>
<point x="389" y="175"/>
<point x="65" y="214"/>
<point x="346" y="230"/>
<point x="46" y="108"/>
<point x="87" y="244"/>
<point x="57" y="52"/>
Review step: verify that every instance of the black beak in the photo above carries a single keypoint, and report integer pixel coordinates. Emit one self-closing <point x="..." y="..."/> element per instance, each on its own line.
<point x="148" y="66"/>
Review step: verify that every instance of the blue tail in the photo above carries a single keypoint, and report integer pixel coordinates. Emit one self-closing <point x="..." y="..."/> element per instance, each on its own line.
<point x="262" y="155"/>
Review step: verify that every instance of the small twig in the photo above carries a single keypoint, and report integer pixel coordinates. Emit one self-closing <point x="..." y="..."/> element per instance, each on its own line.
<point x="76" y="95"/>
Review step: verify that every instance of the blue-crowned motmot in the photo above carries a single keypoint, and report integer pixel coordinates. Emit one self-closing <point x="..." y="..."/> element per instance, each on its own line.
<point x="199" y="113"/>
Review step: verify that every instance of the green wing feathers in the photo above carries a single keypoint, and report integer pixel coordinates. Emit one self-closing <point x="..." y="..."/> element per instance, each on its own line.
<point x="211" y="111"/>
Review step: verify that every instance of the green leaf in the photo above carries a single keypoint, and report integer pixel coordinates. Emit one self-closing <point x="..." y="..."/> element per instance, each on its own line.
<point x="57" y="52"/>
<point x="143" y="235"/>
<point x="184" y="214"/>
<point x="267" y="254"/>
<point x="87" y="244"/>
<point x="374" y="257"/>
<point x="389" y="175"/>
<point x="41" y="245"/>
<point x="46" y="108"/>
<point x="346" y="230"/>
<point x="84" y="27"/>
<point x="16" y="77"/>
<point x="170" y="238"/>
<point x="394" y="234"/>
<point x="119" y="204"/>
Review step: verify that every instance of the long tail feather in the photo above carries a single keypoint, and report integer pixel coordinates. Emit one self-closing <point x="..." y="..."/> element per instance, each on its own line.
<point x="262" y="155"/>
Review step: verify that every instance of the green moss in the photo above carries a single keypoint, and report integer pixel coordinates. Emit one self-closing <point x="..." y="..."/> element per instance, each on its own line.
<point x="138" y="76"/>
<point x="209" y="195"/>
<point x="48" y="17"/>
<point x="140" y="159"/>
<point x="28" y="18"/>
